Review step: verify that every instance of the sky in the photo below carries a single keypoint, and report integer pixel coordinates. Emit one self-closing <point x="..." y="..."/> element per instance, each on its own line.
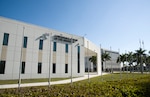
<point x="119" y="24"/>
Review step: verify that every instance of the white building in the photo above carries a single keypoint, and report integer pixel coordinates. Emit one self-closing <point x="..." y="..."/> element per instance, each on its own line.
<point x="36" y="52"/>
<point x="112" y="63"/>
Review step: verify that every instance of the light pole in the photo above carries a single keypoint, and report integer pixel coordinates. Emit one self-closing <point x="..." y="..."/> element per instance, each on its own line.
<point x="101" y="65"/>
<point x="120" y="64"/>
<point x="19" y="81"/>
<point x="111" y="63"/>
<point x="88" y="63"/>
<point x="71" y="59"/>
<point x="111" y="60"/>
<point x="49" y="77"/>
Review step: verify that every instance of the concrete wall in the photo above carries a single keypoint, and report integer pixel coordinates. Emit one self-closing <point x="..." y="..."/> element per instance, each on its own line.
<point x="32" y="55"/>
<point x="92" y="49"/>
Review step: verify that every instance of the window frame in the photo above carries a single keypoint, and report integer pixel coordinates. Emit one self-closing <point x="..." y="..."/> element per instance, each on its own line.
<point x="66" y="68"/>
<point x="40" y="44"/>
<point x="54" y="46"/>
<point x="5" y="39"/>
<point x="25" y="41"/>
<point x="23" y="67"/>
<point x="39" y="71"/>
<point x="54" y="68"/>
<point x="66" y="48"/>
<point x="2" y="68"/>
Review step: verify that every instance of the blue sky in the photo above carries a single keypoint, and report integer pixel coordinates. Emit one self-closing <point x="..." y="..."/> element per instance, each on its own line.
<point x="116" y="23"/>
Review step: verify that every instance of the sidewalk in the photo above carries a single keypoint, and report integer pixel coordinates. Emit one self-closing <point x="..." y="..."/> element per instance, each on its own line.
<point x="51" y="83"/>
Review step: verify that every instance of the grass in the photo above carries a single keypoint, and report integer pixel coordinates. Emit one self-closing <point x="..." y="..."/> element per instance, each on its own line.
<point x="113" y="85"/>
<point x="2" y="82"/>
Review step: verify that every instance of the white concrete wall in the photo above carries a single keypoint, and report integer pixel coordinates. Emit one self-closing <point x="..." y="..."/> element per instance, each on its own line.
<point x="15" y="30"/>
<point x="91" y="46"/>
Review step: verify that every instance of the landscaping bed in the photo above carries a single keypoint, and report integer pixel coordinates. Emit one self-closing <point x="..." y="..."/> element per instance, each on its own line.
<point x="113" y="85"/>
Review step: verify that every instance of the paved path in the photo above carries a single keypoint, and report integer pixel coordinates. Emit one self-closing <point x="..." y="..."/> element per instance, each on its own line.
<point x="51" y="83"/>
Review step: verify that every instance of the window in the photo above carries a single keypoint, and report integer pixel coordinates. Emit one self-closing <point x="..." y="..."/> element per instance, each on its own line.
<point x="5" y="39"/>
<point x="39" y="68"/>
<point x="2" y="67"/>
<point x="23" y="68"/>
<point x="66" y="68"/>
<point x="78" y="59"/>
<point x="54" y="46"/>
<point x="66" y="48"/>
<point x="54" y="68"/>
<point x="25" y="42"/>
<point x="78" y="49"/>
<point x="41" y="44"/>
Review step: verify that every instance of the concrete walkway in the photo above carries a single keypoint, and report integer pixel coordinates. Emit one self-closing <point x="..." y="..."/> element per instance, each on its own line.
<point x="51" y="83"/>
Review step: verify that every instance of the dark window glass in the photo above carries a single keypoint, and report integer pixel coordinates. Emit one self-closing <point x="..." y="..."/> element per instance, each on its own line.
<point x="41" y="44"/>
<point x="25" y="42"/>
<point x="23" y="68"/>
<point x="66" y="68"/>
<point x="66" y="48"/>
<point x="78" y="49"/>
<point x="78" y="59"/>
<point x="2" y="67"/>
<point x="54" y="68"/>
<point x="39" y="67"/>
<point x="5" y="39"/>
<point x="54" y="46"/>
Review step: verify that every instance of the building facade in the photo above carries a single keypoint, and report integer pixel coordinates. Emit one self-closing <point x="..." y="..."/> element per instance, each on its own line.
<point x="111" y="65"/>
<point x="31" y="51"/>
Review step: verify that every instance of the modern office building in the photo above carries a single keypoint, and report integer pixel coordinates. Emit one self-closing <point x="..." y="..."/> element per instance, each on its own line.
<point x="31" y="51"/>
<point x="111" y="65"/>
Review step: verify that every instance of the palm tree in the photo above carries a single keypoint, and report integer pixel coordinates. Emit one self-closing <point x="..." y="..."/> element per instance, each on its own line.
<point x="93" y="59"/>
<point x="105" y="57"/>
<point x="140" y="58"/>
<point x="121" y="58"/>
<point x="130" y="59"/>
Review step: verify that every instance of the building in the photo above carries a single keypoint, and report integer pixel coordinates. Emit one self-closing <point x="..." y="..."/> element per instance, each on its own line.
<point x="30" y="51"/>
<point x="111" y="65"/>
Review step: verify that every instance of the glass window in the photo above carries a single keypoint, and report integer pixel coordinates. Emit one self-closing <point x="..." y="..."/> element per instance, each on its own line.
<point x="54" y="68"/>
<point x="66" y="68"/>
<point x="39" y="67"/>
<point x="5" y="39"/>
<point x="54" y="46"/>
<point x="2" y="67"/>
<point x="78" y="49"/>
<point x="25" y="42"/>
<point x="66" y="48"/>
<point x="78" y="59"/>
<point x="41" y="44"/>
<point x="23" y="68"/>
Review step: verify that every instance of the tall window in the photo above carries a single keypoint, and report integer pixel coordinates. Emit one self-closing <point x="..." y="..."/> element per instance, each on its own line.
<point x="39" y="68"/>
<point x="25" y="42"/>
<point x="66" y="68"/>
<point x="5" y="39"/>
<point x="2" y="67"/>
<point x="66" y="48"/>
<point x="54" y="46"/>
<point x="41" y="44"/>
<point x="23" y="68"/>
<point x="78" y="59"/>
<point x="54" y="68"/>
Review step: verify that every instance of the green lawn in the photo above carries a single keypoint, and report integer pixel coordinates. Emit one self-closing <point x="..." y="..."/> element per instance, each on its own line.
<point x="130" y="85"/>
<point x="2" y="82"/>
